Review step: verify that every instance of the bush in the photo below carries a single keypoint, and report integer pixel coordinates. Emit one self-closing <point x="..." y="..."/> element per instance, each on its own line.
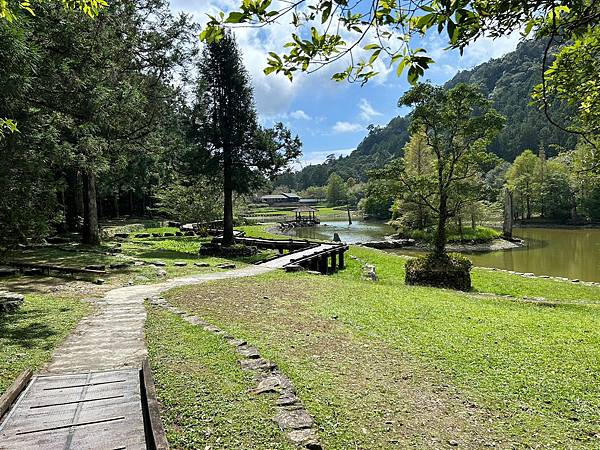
<point x="451" y="271"/>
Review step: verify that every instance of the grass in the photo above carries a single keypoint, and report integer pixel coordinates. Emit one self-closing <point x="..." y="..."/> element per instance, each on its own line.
<point x="205" y="395"/>
<point x="29" y="335"/>
<point x="384" y="365"/>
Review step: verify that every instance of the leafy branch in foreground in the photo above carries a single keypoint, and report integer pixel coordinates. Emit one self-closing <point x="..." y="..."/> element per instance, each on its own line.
<point x="11" y="10"/>
<point x="332" y="30"/>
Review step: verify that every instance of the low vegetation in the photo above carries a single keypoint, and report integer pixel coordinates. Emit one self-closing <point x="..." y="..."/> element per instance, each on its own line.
<point x="205" y="395"/>
<point x="29" y="335"/>
<point x="385" y="365"/>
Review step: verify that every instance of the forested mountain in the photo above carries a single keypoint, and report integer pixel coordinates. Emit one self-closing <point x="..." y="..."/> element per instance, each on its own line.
<point x="508" y="80"/>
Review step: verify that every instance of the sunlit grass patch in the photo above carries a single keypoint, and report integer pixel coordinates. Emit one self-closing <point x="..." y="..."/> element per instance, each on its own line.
<point x="29" y="335"/>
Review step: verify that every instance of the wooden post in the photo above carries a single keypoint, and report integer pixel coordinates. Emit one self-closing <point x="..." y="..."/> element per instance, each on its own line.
<point x="323" y="264"/>
<point x="349" y="216"/>
<point x="507" y="225"/>
<point x="341" y="259"/>
<point x="333" y="262"/>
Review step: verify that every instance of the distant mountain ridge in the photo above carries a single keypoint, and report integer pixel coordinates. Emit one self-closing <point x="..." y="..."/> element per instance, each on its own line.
<point x="507" y="80"/>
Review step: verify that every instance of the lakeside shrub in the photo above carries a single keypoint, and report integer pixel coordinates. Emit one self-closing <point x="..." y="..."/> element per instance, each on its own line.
<point x="451" y="271"/>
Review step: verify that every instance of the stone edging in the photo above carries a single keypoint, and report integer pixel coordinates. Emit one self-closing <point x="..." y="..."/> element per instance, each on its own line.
<point x="545" y="277"/>
<point x="292" y="417"/>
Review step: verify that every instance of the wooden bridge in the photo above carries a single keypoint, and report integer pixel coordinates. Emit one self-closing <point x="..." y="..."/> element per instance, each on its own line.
<point x="322" y="256"/>
<point x="94" y="410"/>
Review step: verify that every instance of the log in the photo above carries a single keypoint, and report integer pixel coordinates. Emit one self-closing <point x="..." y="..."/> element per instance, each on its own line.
<point x="13" y="392"/>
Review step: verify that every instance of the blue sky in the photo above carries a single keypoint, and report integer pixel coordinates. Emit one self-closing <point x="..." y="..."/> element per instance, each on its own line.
<point x="332" y="117"/>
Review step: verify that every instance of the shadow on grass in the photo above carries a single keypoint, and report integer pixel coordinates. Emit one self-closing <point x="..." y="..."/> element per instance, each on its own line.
<point x="18" y="329"/>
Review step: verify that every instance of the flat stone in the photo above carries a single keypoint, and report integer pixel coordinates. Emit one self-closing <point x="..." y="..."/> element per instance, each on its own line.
<point x="269" y="384"/>
<point x="237" y="342"/>
<point x="121" y="235"/>
<point x="293" y="419"/>
<point x="287" y="400"/>
<point x="159" y="263"/>
<point x="142" y="235"/>
<point x="119" y="266"/>
<point x="306" y="438"/>
<point x="161" y="273"/>
<point x="248" y="352"/>
<point x="575" y="281"/>
<point x="100" y="281"/>
<point x="201" y="264"/>
<point x="226" y="266"/>
<point x="257" y="364"/>
<point x="180" y="264"/>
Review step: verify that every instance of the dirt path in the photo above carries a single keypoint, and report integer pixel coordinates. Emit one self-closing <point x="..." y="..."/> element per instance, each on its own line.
<point x="113" y="336"/>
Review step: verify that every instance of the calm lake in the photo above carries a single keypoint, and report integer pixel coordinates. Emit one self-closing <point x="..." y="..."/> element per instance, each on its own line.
<point x="571" y="253"/>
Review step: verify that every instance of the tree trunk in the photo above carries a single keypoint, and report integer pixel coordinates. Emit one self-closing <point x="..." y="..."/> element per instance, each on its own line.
<point x="91" y="231"/>
<point x="116" y="204"/>
<point x="228" y="199"/>
<point x="440" y="234"/>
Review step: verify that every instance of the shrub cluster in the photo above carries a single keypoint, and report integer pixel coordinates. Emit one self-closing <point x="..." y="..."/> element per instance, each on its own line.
<point x="451" y="271"/>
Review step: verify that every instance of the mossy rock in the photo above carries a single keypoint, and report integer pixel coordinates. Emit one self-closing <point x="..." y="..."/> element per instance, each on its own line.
<point x="451" y="271"/>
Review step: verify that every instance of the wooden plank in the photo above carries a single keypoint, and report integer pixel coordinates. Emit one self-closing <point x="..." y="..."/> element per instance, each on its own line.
<point x="157" y="430"/>
<point x="15" y="389"/>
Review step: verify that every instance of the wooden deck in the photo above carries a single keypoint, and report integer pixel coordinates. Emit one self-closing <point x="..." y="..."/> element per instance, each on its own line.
<point x="95" y="410"/>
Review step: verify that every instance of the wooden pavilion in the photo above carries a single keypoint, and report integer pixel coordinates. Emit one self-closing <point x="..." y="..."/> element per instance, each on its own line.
<point x="305" y="215"/>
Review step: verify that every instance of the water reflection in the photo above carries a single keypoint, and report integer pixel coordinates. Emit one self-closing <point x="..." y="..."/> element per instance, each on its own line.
<point x="572" y="253"/>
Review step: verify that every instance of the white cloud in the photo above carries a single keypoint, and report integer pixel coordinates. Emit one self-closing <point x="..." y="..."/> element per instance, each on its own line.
<point x="367" y="112"/>
<point x="300" y="115"/>
<point x="319" y="156"/>
<point x="347" y="127"/>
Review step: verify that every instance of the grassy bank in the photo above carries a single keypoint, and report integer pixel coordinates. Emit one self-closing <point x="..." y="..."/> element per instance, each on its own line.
<point x="29" y="335"/>
<point x="384" y="365"/>
<point x="478" y="234"/>
<point x="205" y="395"/>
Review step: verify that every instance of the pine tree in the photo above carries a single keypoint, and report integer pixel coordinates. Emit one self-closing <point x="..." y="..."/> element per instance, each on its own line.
<point x="229" y="143"/>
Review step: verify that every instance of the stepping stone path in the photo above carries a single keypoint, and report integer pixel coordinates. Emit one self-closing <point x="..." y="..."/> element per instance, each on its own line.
<point x="292" y="417"/>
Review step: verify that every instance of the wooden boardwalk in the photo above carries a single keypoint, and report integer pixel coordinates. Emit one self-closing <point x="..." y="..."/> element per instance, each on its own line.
<point x="94" y="410"/>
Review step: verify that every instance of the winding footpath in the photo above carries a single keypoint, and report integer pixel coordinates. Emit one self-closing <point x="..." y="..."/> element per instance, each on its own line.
<point x="113" y="336"/>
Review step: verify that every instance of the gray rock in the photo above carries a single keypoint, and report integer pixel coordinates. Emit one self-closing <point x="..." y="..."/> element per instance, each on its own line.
<point x="293" y="419"/>
<point x="120" y="266"/>
<point x="226" y="266"/>
<point x="287" y="400"/>
<point x="306" y="438"/>
<point x="142" y="235"/>
<point x="180" y="264"/>
<point x="161" y="273"/>
<point x="96" y="267"/>
<point x="159" y="263"/>
<point x="453" y="443"/>
<point x="257" y="364"/>
<point x="201" y="264"/>
<point x="100" y="281"/>
<point x="248" y="352"/>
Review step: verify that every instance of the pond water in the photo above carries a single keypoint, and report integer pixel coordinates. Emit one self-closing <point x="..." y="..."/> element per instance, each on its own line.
<point x="566" y="252"/>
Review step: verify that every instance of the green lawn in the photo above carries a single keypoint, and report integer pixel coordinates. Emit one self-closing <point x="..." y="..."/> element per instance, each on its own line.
<point x="29" y="335"/>
<point x="205" y="395"/>
<point x="384" y="365"/>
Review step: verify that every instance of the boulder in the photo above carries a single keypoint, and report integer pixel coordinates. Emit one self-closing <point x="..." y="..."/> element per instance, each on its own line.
<point x="10" y="301"/>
